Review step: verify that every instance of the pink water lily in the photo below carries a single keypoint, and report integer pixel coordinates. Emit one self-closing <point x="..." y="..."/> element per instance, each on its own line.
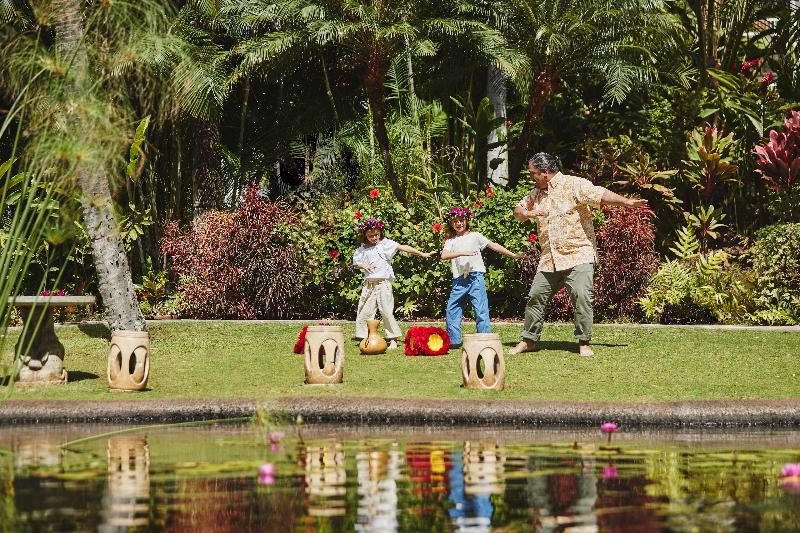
<point x="791" y="470"/>
<point x="276" y="436"/>
<point x="609" y="427"/>
<point x="266" y="474"/>
<point x="610" y="472"/>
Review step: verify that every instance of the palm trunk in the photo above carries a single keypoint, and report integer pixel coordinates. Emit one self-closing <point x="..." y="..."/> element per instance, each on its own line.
<point x="496" y="91"/>
<point x="378" y="109"/>
<point x="207" y="183"/>
<point x="113" y="271"/>
<point x="542" y="86"/>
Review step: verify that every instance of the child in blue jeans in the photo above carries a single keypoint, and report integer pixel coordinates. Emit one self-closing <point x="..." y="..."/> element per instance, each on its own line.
<point x="463" y="249"/>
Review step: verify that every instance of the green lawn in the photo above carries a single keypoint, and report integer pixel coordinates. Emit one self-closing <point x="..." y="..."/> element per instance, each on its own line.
<point x="240" y="360"/>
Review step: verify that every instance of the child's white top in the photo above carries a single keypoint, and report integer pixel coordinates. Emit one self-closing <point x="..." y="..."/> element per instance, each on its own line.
<point x="472" y="241"/>
<point x="378" y="255"/>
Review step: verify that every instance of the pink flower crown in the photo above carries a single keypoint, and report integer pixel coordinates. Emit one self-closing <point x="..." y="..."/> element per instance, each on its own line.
<point x="371" y="223"/>
<point x="457" y="212"/>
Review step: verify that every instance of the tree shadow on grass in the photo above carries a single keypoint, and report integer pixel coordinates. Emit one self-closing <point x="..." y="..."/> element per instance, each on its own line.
<point x="565" y="346"/>
<point x="96" y="331"/>
<point x="77" y="375"/>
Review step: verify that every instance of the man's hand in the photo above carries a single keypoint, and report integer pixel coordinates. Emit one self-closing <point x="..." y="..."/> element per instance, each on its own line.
<point x="636" y="202"/>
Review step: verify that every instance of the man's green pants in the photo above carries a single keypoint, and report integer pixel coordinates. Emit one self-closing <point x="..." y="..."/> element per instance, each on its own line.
<point x="579" y="281"/>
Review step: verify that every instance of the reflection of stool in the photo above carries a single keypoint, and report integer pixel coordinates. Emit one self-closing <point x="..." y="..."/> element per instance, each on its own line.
<point x="128" y="493"/>
<point x="129" y="360"/>
<point x="482" y="363"/>
<point x="324" y="354"/>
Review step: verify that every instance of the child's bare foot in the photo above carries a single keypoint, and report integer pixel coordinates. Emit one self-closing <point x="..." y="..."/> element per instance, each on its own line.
<point x="524" y="346"/>
<point x="392" y="344"/>
<point x="585" y="350"/>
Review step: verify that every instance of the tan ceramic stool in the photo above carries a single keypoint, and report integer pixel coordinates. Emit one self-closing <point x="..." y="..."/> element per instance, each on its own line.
<point x="484" y="346"/>
<point x="129" y="360"/>
<point x="324" y="355"/>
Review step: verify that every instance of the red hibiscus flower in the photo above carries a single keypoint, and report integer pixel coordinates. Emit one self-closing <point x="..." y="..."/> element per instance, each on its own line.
<point x="532" y="238"/>
<point x="374" y="193"/>
<point x="489" y="192"/>
<point x="334" y="254"/>
<point x="358" y="215"/>
<point x="437" y="227"/>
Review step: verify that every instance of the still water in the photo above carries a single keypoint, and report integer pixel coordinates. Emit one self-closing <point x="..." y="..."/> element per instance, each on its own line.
<point x="328" y="478"/>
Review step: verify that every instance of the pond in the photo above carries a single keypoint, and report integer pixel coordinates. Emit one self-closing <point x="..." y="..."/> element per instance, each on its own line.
<point x="327" y="478"/>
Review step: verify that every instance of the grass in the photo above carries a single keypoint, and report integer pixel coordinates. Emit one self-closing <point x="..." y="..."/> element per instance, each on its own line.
<point x="241" y="360"/>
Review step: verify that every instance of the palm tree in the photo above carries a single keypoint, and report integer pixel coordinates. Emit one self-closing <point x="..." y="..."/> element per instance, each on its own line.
<point x="369" y="36"/>
<point x="610" y="39"/>
<point x="80" y="117"/>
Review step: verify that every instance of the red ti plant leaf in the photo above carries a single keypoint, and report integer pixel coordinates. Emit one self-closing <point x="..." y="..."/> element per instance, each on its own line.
<point x="778" y="160"/>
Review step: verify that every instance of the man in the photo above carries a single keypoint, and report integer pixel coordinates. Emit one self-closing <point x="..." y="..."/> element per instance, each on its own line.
<point x="561" y="203"/>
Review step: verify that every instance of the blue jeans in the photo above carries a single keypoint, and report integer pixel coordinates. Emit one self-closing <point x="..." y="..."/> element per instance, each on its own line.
<point x="473" y="287"/>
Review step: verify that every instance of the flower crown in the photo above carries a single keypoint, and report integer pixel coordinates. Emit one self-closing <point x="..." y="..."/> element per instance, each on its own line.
<point x="372" y="223"/>
<point x="457" y="212"/>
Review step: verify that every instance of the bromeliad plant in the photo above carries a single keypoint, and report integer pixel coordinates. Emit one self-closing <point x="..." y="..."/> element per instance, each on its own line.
<point x="778" y="160"/>
<point x="710" y="161"/>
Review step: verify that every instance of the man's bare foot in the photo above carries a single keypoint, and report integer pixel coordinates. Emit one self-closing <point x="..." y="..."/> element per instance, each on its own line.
<point x="585" y="350"/>
<point x="392" y="344"/>
<point x="523" y="346"/>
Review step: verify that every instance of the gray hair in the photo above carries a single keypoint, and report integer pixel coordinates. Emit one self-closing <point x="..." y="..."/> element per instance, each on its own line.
<point x="545" y="161"/>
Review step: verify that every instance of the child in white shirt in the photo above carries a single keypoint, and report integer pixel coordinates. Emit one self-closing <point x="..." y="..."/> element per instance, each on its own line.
<point x="462" y="248"/>
<point x="374" y="257"/>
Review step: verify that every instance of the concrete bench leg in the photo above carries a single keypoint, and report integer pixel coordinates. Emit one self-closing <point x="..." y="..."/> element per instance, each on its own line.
<point x="41" y="353"/>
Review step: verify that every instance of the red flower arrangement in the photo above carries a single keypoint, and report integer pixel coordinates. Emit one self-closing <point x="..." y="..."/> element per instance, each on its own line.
<point x="426" y="340"/>
<point x="334" y="254"/>
<point x="374" y="193"/>
<point x="437" y="227"/>
<point x="300" y="345"/>
<point x="489" y="192"/>
<point x="358" y="215"/>
<point x="532" y="238"/>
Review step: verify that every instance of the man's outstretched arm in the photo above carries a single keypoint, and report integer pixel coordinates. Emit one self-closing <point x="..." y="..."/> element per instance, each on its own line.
<point x="614" y="199"/>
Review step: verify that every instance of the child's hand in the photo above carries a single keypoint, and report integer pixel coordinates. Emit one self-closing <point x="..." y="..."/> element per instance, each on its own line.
<point x="369" y="268"/>
<point x="518" y="256"/>
<point x="467" y="254"/>
<point x="426" y="255"/>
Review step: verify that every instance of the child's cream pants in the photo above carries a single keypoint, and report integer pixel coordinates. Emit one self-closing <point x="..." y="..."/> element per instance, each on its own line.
<point x="376" y="295"/>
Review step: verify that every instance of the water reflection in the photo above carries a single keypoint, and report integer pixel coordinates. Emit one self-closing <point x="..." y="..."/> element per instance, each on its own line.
<point x="326" y="479"/>
<point x="378" y="472"/>
<point x="126" y="499"/>
<point x="185" y="479"/>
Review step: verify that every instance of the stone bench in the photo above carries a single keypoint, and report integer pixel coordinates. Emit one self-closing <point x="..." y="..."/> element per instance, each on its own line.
<point x="41" y="353"/>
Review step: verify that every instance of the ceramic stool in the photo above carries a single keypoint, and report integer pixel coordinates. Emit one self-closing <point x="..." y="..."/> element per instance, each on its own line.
<point x="486" y="347"/>
<point x="324" y="355"/>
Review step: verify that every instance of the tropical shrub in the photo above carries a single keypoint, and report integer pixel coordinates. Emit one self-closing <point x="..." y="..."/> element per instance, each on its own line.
<point x="698" y="287"/>
<point x="237" y="264"/>
<point x="778" y="162"/>
<point x="326" y="231"/>
<point x="776" y="266"/>
<point x="627" y="259"/>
